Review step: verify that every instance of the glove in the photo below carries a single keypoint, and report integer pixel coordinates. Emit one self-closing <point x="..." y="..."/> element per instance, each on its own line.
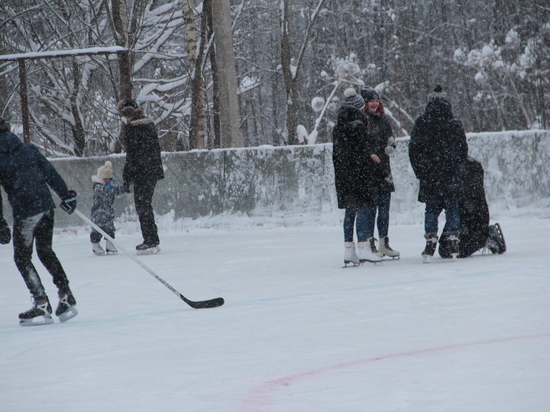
<point x="126" y="187"/>
<point x="69" y="202"/>
<point x="5" y="235"/>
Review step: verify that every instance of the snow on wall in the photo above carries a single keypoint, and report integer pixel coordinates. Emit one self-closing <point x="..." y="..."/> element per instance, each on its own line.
<point x="294" y="185"/>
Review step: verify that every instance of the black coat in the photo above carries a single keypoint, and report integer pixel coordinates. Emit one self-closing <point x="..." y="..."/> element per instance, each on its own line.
<point x="380" y="132"/>
<point x="25" y="175"/>
<point x="437" y="151"/>
<point x="143" y="159"/>
<point x="474" y="213"/>
<point x="351" y="159"/>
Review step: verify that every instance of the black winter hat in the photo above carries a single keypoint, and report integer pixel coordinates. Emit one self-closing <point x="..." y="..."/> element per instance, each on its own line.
<point x="369" y="94"/>
<point x="353" y="99"/>
<point x="4" y="127"/>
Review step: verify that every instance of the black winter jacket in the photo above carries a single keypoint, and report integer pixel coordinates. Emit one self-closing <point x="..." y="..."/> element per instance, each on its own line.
<point x="25" y="175"/>
<point x="143" y="159"/>
<point x="437" y="151"/>
<point x="380" y="132"/>
<point x="351" y="159"/>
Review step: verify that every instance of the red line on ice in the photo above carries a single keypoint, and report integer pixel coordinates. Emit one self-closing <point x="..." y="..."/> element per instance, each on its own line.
<point x="260" y="398"/>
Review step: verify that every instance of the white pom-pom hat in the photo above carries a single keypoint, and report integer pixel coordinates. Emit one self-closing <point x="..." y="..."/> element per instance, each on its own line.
<point x="103" y="172"/>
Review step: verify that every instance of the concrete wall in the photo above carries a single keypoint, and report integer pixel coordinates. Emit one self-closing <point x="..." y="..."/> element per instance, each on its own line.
<point x="293" y="181"/>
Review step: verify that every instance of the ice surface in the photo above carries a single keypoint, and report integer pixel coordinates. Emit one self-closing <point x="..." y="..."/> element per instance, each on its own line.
<point x="297" y="332"/>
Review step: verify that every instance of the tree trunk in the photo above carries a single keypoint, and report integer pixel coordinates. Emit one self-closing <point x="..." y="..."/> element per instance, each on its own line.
<point x="227" y="76"/>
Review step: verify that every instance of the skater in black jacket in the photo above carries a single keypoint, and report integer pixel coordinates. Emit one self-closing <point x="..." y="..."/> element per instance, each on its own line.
<point x="351" y="155"/>
<point x="143" y="169"/>
<point x="25" y="175"/>
<point x="381" y="186"/>
<point x="438" y="151"/>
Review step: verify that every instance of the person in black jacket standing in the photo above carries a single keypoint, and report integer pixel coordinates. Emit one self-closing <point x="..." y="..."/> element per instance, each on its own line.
<point x="25" y="175"/>
<point x="381" y="186"/>
<point x="438" y="151"/>
<point x="143" y="169"/>
<point x="352" y="169"/>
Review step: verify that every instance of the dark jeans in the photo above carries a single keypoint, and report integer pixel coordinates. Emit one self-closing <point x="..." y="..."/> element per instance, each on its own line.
<point x="382" y="202"/>
<point x="143" y="197"/>
<point x="434" y="209"/>
<point x="360" y="225"/>
<point x="37" y="228"/>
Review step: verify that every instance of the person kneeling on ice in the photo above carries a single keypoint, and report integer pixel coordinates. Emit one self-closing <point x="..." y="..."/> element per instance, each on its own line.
<point x="351" y="156"/>
<point x="25" y="175"/>
<point x="103" y="214"/>
<point x="475" y="231"/>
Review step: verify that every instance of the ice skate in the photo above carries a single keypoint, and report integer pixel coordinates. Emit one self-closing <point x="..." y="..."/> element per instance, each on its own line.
<point x="453" y="238"/>
<point x="147" y="248"/>
<point x="385" y="249"/>
<point x="66" y="308"/>
<point x="110" y="249"/>
<point x="429" y="250"/>
<point x="364" y="253"/>
<point x="97" y="249"/>
<point x="496" y="243"/>
<point x="350" y="256"/>
<point x="39" y="314"/>
<point x="373" y="249"/>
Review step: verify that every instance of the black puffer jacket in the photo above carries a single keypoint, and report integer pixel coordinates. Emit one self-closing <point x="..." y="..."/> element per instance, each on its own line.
<point x="25" y="175"/>
<point x="437" y="151"/>
<point x="380" y="132"/>
<point x="351" y="159"/>
<point x="104" y="197"/>
<point x="143" y="159"/>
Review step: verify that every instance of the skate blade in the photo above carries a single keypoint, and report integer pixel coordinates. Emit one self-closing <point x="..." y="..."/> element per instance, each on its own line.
<point x="150" y="251"/>
<point x="112" y="252"/>
<point x="70" y="313"/>
<point x="362" y="261"/>
<point x="37" y="321"/>
<point x="350" y="264"/>
<point x="98" y="254"/>
<point x="426" y="258"/>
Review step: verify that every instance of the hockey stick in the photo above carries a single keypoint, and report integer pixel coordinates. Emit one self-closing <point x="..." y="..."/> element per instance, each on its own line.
<point x="203" y="304"/>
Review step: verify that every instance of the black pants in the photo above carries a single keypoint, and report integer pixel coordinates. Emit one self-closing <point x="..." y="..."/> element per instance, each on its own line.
<point x="25" y="232"/>
<point x="143" y="197"/>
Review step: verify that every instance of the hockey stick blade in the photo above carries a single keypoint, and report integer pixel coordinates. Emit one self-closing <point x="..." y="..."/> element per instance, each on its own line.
<point x="203" y="304"/>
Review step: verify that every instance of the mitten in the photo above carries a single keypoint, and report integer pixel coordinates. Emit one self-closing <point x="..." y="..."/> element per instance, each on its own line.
<point x="5" y="235"/>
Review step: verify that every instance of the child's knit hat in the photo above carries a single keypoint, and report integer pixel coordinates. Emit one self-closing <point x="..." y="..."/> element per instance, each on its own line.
<point x="103" y="172"/>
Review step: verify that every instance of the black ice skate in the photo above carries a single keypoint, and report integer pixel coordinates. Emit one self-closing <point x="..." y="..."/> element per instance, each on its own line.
<point x="39" y="314"/>
<point x="496" y="242"/>
<point x="431" y="243"/>
<point x="453" y="239"/>
<point x="66" y="308"/>
<point x="146" y="248"/>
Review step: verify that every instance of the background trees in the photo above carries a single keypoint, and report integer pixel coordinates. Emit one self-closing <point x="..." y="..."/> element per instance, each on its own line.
<point x="491" y="56"/>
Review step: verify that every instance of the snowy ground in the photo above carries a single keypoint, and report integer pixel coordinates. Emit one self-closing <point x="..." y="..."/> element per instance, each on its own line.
<point x="297" y="332"/>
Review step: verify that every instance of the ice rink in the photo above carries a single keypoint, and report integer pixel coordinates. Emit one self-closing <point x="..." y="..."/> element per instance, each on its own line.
<point x="297" y="332"/>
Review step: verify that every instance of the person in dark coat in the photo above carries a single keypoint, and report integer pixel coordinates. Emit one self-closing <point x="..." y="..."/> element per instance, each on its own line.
<point x="438" y="151"/>
<point x="143" y="169"/>
<point x="381" y="185"/>
<point x="103" y="214"/>
<point x="352" y="169"/>
<point x="26" y="176"/>
<point x="475" y="231"/>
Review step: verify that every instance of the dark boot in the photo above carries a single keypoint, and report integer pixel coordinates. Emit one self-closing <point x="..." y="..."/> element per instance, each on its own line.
<point x="454" y="240"/>
<point x="431" y="244"/>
